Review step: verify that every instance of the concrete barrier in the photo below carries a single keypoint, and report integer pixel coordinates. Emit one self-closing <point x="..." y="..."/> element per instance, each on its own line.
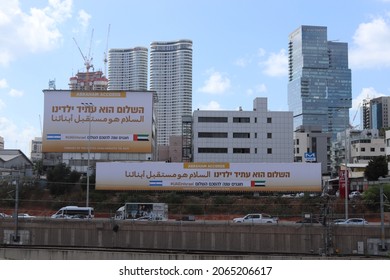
<point x="196" y="236"/>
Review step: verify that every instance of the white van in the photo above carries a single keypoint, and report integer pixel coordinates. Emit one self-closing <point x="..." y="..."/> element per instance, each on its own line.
<point x="74" y="212"/>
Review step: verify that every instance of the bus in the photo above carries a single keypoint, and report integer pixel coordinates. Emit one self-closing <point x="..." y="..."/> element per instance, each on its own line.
<point x="74" y="212"/>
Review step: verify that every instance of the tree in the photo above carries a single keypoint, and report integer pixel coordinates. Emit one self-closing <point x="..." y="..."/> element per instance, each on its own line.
<point x="376" y="168"/>
<point x="61" y="179"/>
<point x="372" y="198"/>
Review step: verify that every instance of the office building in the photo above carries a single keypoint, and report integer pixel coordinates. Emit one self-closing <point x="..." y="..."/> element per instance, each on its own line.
<point x="36" y="149"/>
<point x="128" y="69"/>
<point x="313" y="145"/>
<point x="243" y="136"/>
<point x="171" y="78"/>
<point x="319" y="80"/>
<point x="379" y="114"/>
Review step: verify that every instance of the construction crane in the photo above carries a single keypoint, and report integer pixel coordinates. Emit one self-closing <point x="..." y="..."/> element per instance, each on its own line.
<point x="105" y="60"/>
<point x="87" y="59"/>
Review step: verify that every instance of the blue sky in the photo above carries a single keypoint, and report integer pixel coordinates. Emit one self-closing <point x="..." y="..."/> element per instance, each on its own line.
<point x="239" y="48"/>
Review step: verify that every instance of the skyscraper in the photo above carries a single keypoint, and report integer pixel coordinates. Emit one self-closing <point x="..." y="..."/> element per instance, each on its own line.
<point x="171" y="78"/>
<point x="128" y="69"/>
<point x="319" y="85"/>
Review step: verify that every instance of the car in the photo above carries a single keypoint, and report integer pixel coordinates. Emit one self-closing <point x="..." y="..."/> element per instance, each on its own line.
<point x="25" y="216"/>
<point x="308" y="221"/>
<point x="3" y="215"/>
<point x="257" y="219"/>
<point x="336" y="221"/>
<point x="355" y="194"/>
<point x="353" y="221"/>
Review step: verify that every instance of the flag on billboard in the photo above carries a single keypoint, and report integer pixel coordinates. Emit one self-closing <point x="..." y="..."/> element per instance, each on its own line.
<point x="258" y="183"/>
<point x="56" y="136"/>
<point x="155" y="183"/>
<point x="140" y="137"/>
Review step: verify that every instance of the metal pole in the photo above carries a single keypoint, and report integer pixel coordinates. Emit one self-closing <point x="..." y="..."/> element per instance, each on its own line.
<point x="16" y="237"/>
<point x="383" y="245"/>
<point x="346" y="177"/>
<point x="89" y="106"/>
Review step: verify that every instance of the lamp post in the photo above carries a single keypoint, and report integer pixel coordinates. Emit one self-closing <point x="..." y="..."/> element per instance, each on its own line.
<point x="382" y="181"/>
<point x="346" y="158"/>
<point x="89" y="106"/>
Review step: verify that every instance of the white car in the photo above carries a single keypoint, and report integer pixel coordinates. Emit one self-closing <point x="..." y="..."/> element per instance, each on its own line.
<point x="355" y="194"/>
<point x="353" y="221"/>
<point x="257" y="219"/>
<point x="3" y="215"/>
<point x="25" y="216"/>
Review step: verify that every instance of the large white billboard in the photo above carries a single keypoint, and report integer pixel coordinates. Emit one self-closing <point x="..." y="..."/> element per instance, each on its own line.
<point x="98" y="121"/>
<point x="209" y="176"/>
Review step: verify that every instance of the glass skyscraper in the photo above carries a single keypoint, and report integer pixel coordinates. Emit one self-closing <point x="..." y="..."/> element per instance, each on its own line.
<point x="319" y="85"/>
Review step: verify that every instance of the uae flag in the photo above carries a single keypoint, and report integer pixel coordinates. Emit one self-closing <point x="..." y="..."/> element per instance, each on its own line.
<point x="140" y="137"/>
<point x="258" y="183"/>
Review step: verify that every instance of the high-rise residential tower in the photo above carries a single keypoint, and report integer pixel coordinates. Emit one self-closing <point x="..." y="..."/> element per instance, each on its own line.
<point x="171" y="78"/>
<point x="128" y="69"/>
<point x="319" y="85"/>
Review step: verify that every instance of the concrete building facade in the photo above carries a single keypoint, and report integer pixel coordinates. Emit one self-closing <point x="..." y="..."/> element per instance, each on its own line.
<point x="243" y="136"/>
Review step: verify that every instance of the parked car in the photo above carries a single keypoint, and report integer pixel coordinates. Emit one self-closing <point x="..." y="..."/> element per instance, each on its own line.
<point x="355" y="194"/>
<point x="353" y="221"/>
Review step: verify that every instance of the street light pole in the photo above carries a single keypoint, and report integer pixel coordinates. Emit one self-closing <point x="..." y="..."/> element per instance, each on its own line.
<point x="89" y="106"/>
<point x="346" y="177"/>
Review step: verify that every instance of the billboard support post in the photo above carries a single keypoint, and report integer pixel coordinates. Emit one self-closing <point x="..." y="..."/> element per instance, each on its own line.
<point x="88" y="105"/>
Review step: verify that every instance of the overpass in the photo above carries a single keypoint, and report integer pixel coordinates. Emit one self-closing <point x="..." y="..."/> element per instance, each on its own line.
<point x="214" y="237"/>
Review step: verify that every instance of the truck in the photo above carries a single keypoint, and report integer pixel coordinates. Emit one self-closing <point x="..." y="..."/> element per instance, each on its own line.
<point x="257" y="219"/>
<point x="142" y="212"/>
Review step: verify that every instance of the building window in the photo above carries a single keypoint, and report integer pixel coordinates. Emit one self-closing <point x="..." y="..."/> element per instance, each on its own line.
<point x="269" y="135"/>
<point x="241" y="135"/>
<point x="382" y="149"/>
<point x="269" y="151"/>
<point x="241" y="120"/>
<point x="241" y="150"/>
<point x="372" y="149"/>
<point x="213" y="119"/>
<point x="269" y="120"/>
<point x="255" y="135"/>
<point x="212" y="134"/>
<point x="362" y="149"/>
<point x="212" y="150"/>
<point x="255" y="150"/>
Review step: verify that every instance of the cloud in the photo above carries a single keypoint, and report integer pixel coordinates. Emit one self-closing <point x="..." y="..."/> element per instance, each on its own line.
<point x="217" y="83"/>
<point x="16" y="137"/>
<point x="83" y="19"/>
<point x="371" y="44"/>
<point x="212" y="105"/>
<point x="276" y="65"/>
<point x="15" y="93"/>
<point x="29" y="32"/>
<point x="3" y="83"/>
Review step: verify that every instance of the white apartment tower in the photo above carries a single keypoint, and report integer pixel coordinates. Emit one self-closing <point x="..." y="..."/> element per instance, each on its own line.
<point x="171" y="78"/>
<point x="128" y="69"/>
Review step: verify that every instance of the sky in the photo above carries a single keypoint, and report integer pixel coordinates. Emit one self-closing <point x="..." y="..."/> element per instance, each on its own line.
<point x="239" y="48"/>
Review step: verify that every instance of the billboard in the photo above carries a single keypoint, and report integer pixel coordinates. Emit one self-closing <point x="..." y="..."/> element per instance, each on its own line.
<point x="208" y="176"/>
<point x="97" y="121"/>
